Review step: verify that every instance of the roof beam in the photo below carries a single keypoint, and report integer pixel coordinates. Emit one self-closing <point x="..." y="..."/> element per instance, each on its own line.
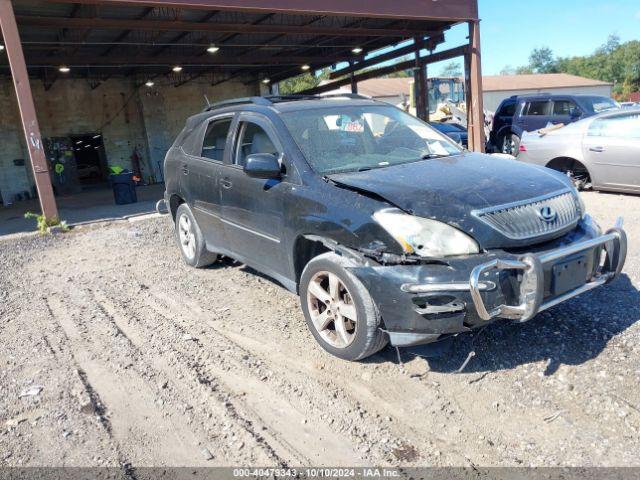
<point x="126" y="33"/>
<point x="429" y="44"/>
<point x="432" y="58"/>
<point x="448" y="10"/>
<point x="128" y="61"/>
<point x="182" y="26"/>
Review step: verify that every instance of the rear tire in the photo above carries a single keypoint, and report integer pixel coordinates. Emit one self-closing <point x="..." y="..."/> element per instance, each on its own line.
<point x="190" y="239"/>
<point x="510" y="144"/>
<point x="331" y="297"/>
<point x="576" y="171"/>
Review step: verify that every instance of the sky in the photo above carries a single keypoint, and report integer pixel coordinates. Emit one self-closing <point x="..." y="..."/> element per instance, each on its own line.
<point x="511" y="29"/>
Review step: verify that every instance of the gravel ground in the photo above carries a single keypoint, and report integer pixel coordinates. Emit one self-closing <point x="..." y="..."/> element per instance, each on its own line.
<point x="115" y="353"/>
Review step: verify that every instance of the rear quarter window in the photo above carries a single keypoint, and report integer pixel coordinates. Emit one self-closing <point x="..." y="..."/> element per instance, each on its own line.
<point x="537" y="108"/>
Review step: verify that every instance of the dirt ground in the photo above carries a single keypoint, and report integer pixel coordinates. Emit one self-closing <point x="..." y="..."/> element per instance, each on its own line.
<point x="115" y="353"/>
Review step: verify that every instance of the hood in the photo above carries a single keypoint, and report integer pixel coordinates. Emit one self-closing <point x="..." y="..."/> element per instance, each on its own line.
<point x="449" y="189"/>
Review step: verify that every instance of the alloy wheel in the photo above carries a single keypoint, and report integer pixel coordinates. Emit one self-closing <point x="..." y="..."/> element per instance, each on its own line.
<point x="332" y="309"/>
<point x="187" y="236"/>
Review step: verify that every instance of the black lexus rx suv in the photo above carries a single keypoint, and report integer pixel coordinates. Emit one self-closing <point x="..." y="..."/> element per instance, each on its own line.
<point x="386" y="228"/>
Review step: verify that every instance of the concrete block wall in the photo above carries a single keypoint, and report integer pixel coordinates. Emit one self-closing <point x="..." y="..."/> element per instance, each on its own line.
<point x="166" y="108"/>
<point x="146" y="119"/>
<point x="13" y="179"/>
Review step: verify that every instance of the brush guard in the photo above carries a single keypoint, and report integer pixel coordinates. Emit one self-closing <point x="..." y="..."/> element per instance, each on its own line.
<point x="531" y="267"/>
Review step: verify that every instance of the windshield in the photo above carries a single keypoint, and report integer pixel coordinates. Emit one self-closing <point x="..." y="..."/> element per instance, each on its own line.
<point x="349" y="138"/>
<point x="600" y="104"/>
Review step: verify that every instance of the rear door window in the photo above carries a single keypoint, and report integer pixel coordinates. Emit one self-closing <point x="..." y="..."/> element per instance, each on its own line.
<point x="623" y="126"/>
<point x="215" y="139"/>
<point x="537" y="108"/>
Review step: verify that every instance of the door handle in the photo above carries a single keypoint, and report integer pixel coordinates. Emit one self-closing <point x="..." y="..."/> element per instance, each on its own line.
<point x="597" y="149"/>
<point x="226" y="183"/>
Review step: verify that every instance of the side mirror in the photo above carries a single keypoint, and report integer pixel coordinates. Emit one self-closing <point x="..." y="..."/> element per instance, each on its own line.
<point x="262" y="165"/>
<point x="575" y="113"/>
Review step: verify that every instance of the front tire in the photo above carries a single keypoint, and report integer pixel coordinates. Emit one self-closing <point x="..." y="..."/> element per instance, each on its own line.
<point x="339" y="310"/>
<point x="190" y="239"/>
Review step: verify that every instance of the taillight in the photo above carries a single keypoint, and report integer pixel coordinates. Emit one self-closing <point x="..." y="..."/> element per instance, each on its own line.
<point x="522" y="148"/>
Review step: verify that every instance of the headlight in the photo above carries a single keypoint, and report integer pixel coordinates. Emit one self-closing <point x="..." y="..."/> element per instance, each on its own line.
<point x="579" y="201"/>
<point x="424" y="237"/>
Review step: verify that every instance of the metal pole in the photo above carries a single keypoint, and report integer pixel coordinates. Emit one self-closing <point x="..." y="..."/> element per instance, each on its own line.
<point x="476" y="116"/>
<point x="425" y="69"/>
<point x="27" y="110"/>
<point x="352" y="76"/>
<point x="419" y="79"/>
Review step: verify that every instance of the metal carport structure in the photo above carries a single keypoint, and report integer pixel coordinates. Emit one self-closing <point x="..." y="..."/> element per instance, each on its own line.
<point x="268" y="40"/>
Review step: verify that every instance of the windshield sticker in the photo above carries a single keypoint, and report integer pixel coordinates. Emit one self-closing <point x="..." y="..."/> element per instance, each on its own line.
<point x="353" y="127"/>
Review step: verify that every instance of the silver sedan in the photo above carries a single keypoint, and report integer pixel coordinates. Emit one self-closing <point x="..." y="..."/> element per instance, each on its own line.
<point x="600" y="152"/>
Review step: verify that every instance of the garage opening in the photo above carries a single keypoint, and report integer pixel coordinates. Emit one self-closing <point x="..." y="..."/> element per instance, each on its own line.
<point x="91" y="163"/>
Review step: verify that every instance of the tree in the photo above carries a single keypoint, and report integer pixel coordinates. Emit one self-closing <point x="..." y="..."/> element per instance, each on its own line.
<point x="611" y="62"/>
<point x="542" y="60"/>
<point x="508" y="70"/>
<point x="451" y="69"/>
<point x="302" y="82"/>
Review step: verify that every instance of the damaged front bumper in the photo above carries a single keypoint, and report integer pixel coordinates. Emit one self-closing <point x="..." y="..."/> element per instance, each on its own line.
<point x="421" y="303"/>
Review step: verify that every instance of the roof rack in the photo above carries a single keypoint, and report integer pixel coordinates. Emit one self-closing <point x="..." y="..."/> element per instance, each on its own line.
<point x="271" y="99"/>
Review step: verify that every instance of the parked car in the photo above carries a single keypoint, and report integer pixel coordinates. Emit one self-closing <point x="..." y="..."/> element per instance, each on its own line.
<point x="602" y="152"/>
<point x="458" y="133"/>
<point x="386" y="229"/>
<point x="527" y="113"/>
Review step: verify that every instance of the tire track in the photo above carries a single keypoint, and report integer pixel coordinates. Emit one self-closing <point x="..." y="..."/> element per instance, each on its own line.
<point x="249" y="394"/>
<point x="223" y="403"/>
<point x="127" y="405"/>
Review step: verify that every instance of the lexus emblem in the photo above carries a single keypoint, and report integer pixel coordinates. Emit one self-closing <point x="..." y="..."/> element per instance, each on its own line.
<point x="547" y="214"/>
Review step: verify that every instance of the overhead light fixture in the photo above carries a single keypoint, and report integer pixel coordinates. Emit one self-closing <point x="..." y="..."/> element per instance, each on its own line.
<point x="78" y="142"/>
<point x="305" y="67"/>
<point x="177" y="68"/>
<point x="212" y="48"/>
<point x="356" y="50"/>
<point x="266" y="80"/>
<point x="1" y="48"/>
<point x="64" y="69"/>
<point x="150" y="83"/>
<point x="96" y="136"/>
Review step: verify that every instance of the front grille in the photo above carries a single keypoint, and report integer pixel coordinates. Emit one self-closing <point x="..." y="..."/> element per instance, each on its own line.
<point x="523" y="220"/>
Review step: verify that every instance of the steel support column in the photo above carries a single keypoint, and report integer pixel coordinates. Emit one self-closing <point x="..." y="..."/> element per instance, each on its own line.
<point x="420" y="83"/>
<point x="354" y="83"/>
<point x="27" y="110"/>
<point x="475" y="114"/>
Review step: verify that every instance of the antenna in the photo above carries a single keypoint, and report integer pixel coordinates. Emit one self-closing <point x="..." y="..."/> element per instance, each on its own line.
<point x="206" y="99"/>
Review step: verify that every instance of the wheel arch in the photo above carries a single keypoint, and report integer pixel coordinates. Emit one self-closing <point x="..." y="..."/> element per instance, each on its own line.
<point x="174" y="202"/>
<point x="568" y="161"/>
<point x="306" y="247"/>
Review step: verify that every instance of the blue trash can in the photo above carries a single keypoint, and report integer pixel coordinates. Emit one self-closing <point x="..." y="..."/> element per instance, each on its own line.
<point x="124" y="188"/>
